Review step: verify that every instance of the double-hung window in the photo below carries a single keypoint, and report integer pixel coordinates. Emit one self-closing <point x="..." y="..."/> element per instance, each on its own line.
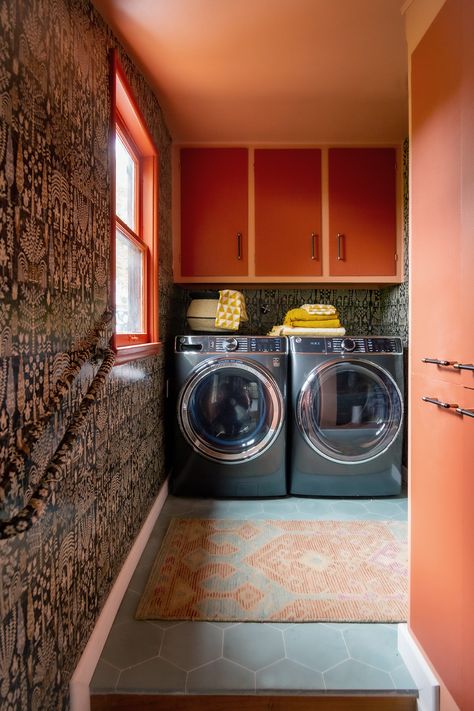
<point x="134" y="228"/>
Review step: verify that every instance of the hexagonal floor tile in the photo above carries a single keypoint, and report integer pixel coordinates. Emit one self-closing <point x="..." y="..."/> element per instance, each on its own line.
<point x="253" y="645"/>
<point x="218" y="676"/>
<point x="155" y="675"/>
<point x="105" y="677"/>
<point x="192" y="644"/>
<point x="315" y="645"/>
<point x="344" y="509"/>
<point x="385" y="508"/>
<point x="402" y="679"/>
<point x="374" y="644"/>
<point x="131" y="643"/>
<point x="287" y="675"/>
<point x="352" y="674"/>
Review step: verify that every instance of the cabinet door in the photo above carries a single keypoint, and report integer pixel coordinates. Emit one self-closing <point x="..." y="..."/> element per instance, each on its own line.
<point x="442" y="532"/>
<point x="288" y="212"/>
<point x="214" y="211"/>
<point x="436" y="239"/>
<point x="362" y="211"/>
<point x="442" y="322"/>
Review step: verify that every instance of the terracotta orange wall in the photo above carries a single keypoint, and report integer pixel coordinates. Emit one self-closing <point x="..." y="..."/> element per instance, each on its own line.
<point x="441" y="320"/>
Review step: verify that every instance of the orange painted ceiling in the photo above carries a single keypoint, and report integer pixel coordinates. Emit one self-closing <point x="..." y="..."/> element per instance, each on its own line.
<point x="271" y="71"/>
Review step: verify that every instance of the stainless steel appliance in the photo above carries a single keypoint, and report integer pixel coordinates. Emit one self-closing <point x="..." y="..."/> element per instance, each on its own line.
<point x="346" y="416"/>
<point x="230" y="416"/>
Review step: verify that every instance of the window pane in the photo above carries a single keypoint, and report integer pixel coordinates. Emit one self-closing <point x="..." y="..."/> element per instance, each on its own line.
<point x="129" y="285"/>
<point x="125" y="182"/>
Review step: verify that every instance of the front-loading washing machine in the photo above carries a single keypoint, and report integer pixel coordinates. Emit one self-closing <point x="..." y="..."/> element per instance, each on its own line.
<point x="346" y="416"/>
<point x="230" y="433"/>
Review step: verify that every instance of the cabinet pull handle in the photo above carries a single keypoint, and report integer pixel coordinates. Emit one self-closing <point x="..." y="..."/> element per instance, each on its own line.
<point x="436" y="361"/>
<point x="463" y="366"/>
<point x="339" y="246"/>
<point x="314" y="245"/>
<point x="439" y="403"/>
<point x="239" y="245"/>
<point x="462" y="411"/>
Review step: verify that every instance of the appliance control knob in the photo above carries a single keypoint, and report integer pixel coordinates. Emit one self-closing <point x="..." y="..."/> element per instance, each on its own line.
<point x="348" y="344"/>
<point x="231" y="344"/>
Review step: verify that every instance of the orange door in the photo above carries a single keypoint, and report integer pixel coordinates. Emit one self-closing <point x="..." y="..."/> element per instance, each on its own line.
<point x="214" y="211"/>
<point x="436" y="253"/>
<point x="442" y="324"/>
<point x="288" y="212"/>
<point x="362" y="211"/>
<point x="442" y="532"/>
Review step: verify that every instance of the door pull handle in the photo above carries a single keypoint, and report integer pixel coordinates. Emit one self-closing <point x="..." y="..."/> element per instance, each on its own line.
<point x="463" y="366"/>
<point x="439" y="403"/>
<point x="339" y="246"/>
<point x="314" y="246"/>
<point x="239" y="245"/>
<point x="462" y="411"/>
<point x="437" y="361"/>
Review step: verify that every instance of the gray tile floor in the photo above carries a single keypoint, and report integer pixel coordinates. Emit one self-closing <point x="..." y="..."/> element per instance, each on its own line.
<point x="208" y="657"/>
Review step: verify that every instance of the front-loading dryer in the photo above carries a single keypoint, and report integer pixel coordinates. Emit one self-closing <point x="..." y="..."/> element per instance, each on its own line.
<point x="346" y="416"/>
<point x="230" y="433"/>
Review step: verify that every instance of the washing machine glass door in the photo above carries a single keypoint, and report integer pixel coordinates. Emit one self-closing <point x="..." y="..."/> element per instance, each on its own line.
<point x="349" y="411"/>
<point x="231" y="410"/>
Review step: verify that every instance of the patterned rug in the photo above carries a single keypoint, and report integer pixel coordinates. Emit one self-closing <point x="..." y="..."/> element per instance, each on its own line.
<point x="286" y="571"/>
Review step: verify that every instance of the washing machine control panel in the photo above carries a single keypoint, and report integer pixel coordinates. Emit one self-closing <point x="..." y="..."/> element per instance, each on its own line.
<point x="231" y="344"/>
<point x="375" y="344"/>
<point x="247" y="344"/>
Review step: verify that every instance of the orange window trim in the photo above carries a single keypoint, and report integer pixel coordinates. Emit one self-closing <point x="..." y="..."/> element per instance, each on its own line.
<point x="126" y="116"/>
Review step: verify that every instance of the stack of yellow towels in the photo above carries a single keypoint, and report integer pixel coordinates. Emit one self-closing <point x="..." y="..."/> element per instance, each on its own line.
<point x="311" y="319"/>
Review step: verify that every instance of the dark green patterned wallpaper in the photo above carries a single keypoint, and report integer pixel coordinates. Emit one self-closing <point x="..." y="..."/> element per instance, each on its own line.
<point x="54" y="262"/>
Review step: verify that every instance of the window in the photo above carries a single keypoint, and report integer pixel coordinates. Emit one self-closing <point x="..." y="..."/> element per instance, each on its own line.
<point x="134" y="230"/>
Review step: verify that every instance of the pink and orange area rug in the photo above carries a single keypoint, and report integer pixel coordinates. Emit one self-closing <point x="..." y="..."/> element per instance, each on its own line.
<point x="281" y="571"/>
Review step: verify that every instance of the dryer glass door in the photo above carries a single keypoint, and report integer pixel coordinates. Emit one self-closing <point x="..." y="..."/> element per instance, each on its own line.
<point x="350" y="411"/>
<point x="231" y="410"/>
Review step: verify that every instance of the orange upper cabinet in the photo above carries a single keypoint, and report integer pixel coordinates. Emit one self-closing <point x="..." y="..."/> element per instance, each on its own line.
<point x="309" y="215"/>
<point x="362" y="211"/>
<point x="214" y="212"/>
<point x="288" y="212"/>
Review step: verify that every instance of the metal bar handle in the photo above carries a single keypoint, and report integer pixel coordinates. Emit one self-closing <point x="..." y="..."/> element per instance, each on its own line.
<point x="463" y="366"/>
<point x="439" y="403"/>
<point x="314" y="242"/>
<point x="239" y="245"/>
<point x="437" y="361"/>
<point x="339" y="245"/>
<point x="462" y="411"/>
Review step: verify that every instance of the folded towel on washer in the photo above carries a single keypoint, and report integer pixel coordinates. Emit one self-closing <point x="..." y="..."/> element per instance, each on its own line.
<point x="313" y="323"/>
<point x="320" y="309"/>
<point x="230" y="309"/>
<point x="283" y="330"/>
<point x="296" y="317"/>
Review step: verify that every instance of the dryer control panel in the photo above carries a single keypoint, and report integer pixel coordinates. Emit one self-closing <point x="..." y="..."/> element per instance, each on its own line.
<point x="346" y="345"/>
<point x="231" y="344"/>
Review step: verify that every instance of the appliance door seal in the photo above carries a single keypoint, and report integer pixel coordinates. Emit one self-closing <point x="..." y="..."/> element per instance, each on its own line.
<point x="230" y="410"/>
<point x="349" y="411"/>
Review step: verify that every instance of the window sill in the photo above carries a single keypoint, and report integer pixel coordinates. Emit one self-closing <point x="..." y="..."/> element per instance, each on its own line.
<point x="125" y="354"/>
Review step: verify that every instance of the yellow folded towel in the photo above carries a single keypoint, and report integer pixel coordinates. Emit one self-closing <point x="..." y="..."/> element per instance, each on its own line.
<point x="289" y="331"/>
<point x="320" y="309"/>
<point x="230" y="309"/>
<point x="313" y="323"/>
<point x="304" y="315"/>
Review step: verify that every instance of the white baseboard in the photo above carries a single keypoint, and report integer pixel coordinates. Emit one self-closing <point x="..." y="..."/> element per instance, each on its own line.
<point x="79" y="685"/>
<point x="425" y="680"/>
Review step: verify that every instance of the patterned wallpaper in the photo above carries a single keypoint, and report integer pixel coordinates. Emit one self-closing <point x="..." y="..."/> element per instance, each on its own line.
<point x="54" y="261"/>
<point x="394" y="299"/>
